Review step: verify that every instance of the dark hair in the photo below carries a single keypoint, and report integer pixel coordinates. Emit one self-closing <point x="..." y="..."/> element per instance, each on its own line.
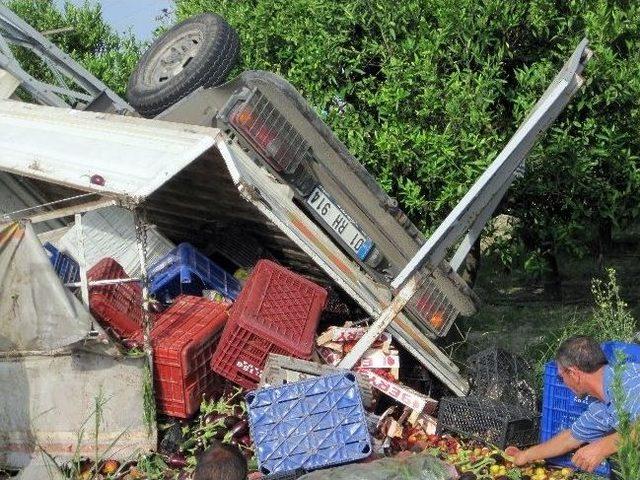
<point x="581" y="352"/>
<point x="221" y="462"/>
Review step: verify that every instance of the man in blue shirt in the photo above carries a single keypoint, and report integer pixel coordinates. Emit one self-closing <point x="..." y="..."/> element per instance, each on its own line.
<point x="585" y="370"/>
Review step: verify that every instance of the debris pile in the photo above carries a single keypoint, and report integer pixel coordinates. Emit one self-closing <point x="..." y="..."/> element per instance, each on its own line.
<point x="253" y="360"/>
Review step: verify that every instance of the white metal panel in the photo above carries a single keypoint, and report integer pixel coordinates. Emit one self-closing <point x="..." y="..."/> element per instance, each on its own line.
<point x="110" y="232"/>
<point x="53" y="236"/>
<point x="134" y="156"/>
<point x="47" y="400"/>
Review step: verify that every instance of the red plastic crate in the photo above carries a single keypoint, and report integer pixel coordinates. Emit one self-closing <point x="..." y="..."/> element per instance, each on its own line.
<point x="117" y="307"/>
<point x="277" y="312"/>
<point x="184" y="338"/>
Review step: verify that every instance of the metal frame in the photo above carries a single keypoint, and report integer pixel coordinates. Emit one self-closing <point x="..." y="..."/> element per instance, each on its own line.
<point x="74" y="87"/>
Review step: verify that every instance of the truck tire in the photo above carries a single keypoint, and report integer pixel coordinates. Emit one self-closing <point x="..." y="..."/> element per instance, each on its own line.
<point x="198" y="52"/>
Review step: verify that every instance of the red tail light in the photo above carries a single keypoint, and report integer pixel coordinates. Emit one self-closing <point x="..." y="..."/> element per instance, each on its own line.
<point x="258" y="121"/>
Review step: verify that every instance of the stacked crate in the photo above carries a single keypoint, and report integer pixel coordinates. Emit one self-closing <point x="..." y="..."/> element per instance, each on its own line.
<point x="184" y="270"/>
<point x="118" y="307"/>
<point x="183" y="339"/>
<point x="277" y="312"/>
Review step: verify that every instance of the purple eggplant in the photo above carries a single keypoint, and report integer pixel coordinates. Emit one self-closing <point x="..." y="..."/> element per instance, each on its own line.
<point x="176" y="460"/>
<point x="231" y="421"/>
<point x="211" y="418"/>
<point x="239" y="430"/>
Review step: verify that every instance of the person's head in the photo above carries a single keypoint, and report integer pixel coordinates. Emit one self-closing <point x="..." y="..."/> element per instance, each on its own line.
<point x="579" y="358"/>
<point x="221" y="462"/>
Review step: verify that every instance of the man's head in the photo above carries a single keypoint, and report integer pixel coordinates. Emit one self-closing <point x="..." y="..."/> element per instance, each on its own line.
<point x="579" y="358"/>
<point x="221" y="462"/>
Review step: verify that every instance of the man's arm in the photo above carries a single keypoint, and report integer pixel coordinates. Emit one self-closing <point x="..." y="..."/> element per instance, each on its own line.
<point x="591" y="455"/>
<point x="562" y="443"/>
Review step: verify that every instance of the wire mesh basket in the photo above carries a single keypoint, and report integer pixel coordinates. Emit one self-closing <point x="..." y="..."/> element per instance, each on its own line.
<point x="489" y="421"/>
<point x="502" y="376"/>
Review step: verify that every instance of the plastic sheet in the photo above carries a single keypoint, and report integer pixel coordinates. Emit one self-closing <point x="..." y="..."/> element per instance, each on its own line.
<point x="414" y="467"/>
<point x="37" y="313"/>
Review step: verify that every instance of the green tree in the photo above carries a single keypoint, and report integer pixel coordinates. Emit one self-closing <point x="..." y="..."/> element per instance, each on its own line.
<point x="426" y="92"/>
<point x="92" y="43"/>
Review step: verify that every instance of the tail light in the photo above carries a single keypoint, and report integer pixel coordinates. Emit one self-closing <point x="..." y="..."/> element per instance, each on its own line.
<point x="274" y="139"/>
<point x="433" y="308"/>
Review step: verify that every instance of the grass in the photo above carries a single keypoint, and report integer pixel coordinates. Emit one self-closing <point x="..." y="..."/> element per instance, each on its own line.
<point x="628" y="457"/>
<point x="75" y="466"/>
<point x="148" y="399"/>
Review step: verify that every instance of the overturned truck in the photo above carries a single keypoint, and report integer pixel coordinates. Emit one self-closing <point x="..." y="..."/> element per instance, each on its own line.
<point x="248" y="166"/>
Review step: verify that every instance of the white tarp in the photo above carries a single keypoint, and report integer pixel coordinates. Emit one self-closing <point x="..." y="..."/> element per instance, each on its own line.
<point x="37" y="313"/>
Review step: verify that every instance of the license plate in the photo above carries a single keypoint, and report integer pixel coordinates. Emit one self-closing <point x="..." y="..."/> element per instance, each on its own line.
<point x="337" y="220"/>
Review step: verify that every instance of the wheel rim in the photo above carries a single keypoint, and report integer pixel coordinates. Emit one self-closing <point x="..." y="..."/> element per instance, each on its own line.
<point x="173" y="58"/>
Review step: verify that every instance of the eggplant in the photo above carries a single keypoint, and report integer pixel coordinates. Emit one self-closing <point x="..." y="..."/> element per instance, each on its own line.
<point x="131" y="344"/>
<point x="468" y="476"/>
<point x="245" y="440"/>
<point x="211" y="418"/>
<point x="176" y="460"/>
<point x="240" y="429"/>
<point x="231" y="420"/>
<point x="237" y="410"/>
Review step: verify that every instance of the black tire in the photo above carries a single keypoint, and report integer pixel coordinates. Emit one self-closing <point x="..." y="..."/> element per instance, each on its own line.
<point x="198" y="52"/>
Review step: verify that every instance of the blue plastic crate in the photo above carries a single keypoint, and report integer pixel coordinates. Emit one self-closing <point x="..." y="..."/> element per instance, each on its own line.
<point x="311" y="424"/>
<point x="604" y="470"/>
<point x="560" y="408"/>
<point x="64" y="265"/>
<point x="631" y="350"/>
<point x="184" y="270"/>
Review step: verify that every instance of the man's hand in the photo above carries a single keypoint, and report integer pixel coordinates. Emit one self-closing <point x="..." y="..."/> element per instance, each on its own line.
<point x="590" y="456"/>
<point x="519" y="456"/>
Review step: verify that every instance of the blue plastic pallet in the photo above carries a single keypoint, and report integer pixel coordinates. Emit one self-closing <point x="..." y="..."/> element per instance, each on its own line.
<point x="184" y="270"/>
<point x="64" y="265"/>
<point x="308" y="425"/>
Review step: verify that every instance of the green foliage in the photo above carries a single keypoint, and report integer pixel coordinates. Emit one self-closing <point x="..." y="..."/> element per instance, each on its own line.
<point x="153" y="466"/>
<point x="628" y="455"/>
<point x="426" y="92"/>
<point x="148" y="399"/>
<point x="611" y="311"/>
<point x="92" y="42"/>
